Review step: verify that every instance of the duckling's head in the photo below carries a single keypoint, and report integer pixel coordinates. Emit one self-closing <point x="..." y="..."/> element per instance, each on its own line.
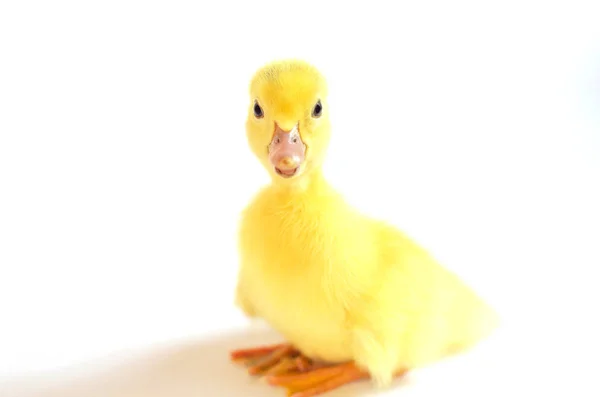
<point x="288" y="126"/>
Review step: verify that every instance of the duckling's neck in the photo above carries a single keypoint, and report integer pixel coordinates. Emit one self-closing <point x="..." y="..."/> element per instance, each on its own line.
<point x="315" y="182"/>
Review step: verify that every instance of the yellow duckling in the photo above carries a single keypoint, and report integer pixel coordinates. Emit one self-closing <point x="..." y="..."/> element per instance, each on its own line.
<point x="354" y="296"/>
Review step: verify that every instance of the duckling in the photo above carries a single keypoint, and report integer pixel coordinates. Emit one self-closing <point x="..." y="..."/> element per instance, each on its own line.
<point x="355" y="297"/>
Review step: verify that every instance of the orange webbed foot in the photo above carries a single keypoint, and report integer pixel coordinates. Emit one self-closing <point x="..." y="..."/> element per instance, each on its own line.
<point x="319" y="380"/>
<point x="273" y="359"/>
<point x="285" y="366"/>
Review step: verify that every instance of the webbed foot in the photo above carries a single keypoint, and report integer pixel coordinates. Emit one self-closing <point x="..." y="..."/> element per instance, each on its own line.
<point x="285" y="366"/>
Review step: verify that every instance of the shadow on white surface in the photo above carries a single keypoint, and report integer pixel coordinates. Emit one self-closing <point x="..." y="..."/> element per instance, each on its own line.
<point x="195" y="369"/>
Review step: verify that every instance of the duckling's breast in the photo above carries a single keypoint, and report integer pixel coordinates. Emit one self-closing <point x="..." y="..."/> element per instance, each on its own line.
<point x="286" y="252"/>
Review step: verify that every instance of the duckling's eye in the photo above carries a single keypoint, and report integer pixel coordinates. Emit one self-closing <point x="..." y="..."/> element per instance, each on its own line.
<point x="258" y="112"/>
<point x="318" y="109"/>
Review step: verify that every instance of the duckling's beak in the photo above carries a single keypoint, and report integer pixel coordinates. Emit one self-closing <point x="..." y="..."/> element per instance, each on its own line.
<point x="286" y="151"/>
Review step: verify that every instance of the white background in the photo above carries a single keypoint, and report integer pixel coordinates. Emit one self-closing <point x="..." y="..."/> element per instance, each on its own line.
<point x="474" y="126"/>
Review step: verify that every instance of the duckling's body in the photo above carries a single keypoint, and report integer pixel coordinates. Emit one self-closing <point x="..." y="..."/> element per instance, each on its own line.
<point x="318" y="272"/>
<point x="339" y="286"/>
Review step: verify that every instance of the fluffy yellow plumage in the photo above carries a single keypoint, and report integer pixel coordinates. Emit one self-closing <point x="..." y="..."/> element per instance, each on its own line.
<point x="340" y="286"/>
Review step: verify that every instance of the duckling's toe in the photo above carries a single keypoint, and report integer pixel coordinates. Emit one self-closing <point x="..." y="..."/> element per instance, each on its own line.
<point x="318" y="381"/>
<point x="273" y="359"/>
